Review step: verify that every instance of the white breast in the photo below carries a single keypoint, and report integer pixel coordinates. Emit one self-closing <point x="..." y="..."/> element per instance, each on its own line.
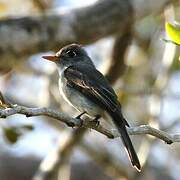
<point x="61" y="89"/>
<point x="76" y="99"/>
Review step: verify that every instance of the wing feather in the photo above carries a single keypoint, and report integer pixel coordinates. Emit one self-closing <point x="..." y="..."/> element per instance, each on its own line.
<point x="93" y="85"/>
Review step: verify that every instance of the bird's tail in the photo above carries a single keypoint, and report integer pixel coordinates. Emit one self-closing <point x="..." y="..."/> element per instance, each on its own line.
<point x="121" y="124"/>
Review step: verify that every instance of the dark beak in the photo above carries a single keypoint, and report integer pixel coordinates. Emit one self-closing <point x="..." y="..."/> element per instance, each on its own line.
<point x="52" y="58"/>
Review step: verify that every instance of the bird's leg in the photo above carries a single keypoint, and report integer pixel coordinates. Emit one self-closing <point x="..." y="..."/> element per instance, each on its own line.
<point x="79" y="116"/>
<point x="96" y="120"/>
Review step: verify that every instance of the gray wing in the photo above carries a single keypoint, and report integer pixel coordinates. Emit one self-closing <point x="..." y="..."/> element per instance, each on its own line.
<point x="92" y="83"/>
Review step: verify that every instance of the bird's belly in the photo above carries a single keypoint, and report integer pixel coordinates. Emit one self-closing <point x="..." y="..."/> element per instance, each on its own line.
<point x="79" y="101"/>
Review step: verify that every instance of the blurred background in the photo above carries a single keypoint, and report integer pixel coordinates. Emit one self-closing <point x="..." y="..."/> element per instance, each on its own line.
<point x="125" y="41"/>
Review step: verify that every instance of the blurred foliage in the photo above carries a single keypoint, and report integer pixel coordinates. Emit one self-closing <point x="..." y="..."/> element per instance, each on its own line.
<point x="12" y="134"/>
<point x="173" y="32"/>
<point x="3" y="7"/>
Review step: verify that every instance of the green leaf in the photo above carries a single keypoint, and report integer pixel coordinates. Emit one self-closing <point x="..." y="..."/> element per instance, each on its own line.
<point x="173" y="32"/>
<point x="11" y="134"/>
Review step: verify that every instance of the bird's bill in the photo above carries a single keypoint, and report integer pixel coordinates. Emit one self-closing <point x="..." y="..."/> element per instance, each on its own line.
<point x="50" y="58"/>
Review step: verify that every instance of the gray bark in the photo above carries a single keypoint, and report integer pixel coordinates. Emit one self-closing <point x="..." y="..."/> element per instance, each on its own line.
<point x="25" y="36"/>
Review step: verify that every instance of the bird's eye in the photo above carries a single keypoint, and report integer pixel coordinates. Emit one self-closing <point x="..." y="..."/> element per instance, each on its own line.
<point x="71" y="53"/>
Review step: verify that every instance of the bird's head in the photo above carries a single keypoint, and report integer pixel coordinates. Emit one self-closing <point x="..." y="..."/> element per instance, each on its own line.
<point x="70" y="55"/>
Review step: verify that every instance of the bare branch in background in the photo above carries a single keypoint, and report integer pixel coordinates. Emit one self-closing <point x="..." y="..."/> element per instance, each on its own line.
<point x="25" y="36"/>
<point x="73" y="122"/>
<point x="50" y="168"/>
<point x="42" y="5"/>
<point x="146" y="7"/>
<point x="106" y="161"/>
<point x="118" y="67"/>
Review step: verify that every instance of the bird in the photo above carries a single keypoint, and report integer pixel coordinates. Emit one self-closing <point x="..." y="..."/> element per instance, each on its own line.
<point x="88" y="91"/>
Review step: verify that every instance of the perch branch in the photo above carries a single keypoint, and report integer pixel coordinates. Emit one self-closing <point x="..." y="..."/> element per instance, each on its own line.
<point x="73" y="122"/>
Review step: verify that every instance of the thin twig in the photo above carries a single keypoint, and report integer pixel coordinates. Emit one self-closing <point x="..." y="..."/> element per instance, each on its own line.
<point x="73" y="122"/>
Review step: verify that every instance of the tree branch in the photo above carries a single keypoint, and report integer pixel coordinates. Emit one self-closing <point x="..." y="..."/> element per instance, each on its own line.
<point x="73" y="122"/>
<point x="24" y="36"/>
<point x="118" y="66"/>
